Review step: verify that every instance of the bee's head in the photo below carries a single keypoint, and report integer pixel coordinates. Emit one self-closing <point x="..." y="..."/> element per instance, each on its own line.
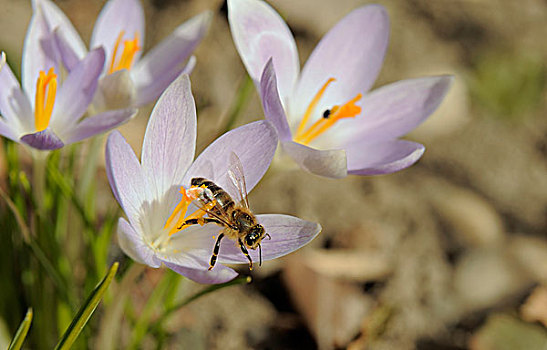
<point x="255" y="235"/>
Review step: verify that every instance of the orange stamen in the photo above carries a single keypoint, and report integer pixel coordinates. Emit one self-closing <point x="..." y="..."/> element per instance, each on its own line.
<point x="180" y="210"/>
<point x="311" y="107"/>
<point x="348" y="110"/>
<point x="130" y="49"/>
<point x="46" y="90"/>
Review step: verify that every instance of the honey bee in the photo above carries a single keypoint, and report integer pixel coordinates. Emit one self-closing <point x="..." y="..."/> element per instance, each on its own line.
<point x="236" y="218"/>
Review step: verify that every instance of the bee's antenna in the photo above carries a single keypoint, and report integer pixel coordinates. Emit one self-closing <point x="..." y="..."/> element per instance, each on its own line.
<point x="268" y="235"/>
<point x="259" y="255"/>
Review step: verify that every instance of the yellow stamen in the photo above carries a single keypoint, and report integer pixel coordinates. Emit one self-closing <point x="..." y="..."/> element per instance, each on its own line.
<point x="130" y="49"/>
<point x="330" y="117"/>
<point x="46" y="89"/>
<point x="179" y="212"/>
<point x="311" y="107"/>
<point x="348" y="110"/>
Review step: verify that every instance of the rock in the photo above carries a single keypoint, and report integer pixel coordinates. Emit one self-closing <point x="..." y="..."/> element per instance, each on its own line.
<point x="484" y="277"/>
<point x="332" y="308"/>
<point x="535" y="307"/>
<point x="474" y="220"/>
<point x="502" y="332"/>
<point x="531" y="253"/>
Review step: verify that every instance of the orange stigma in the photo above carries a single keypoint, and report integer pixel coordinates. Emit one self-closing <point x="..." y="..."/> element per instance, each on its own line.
<point x="130" y="49"/>
<point x="46" y="89"/>
<point x="329" y="117"/>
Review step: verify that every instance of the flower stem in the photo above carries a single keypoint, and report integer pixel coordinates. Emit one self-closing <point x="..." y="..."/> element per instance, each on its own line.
<point x="39" y="179"/>
<point x="241" y="99"/>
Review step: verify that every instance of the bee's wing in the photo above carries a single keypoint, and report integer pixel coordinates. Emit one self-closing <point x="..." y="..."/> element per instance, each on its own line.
<point x="235" y="171"/>
<point x="222" y="217"/>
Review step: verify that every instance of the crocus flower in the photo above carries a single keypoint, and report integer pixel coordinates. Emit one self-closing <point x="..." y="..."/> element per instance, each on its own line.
<point x="128" y="79"/>
<point x="326" y="119"/>
<point x="148" y="191"/>
<point x="46" y="113"/>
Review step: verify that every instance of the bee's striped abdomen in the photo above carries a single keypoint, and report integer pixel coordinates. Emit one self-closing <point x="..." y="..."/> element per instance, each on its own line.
<point x="222" y="197"/>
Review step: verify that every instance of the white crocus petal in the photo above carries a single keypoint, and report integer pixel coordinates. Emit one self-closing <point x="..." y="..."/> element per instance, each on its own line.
<point x="352" y="52"/>
<point x="115" y="91"/>
<point x="159" y="67"/>
<point x="382" y="157"/>
<point x="8" y="131"/>
<point x="118" y="16"/>
<point x="328" y="163"/>
<point x="259" y="34"/>
<point x="126" y="178"/>
<point x="393" y="110"/>
<point x="58" y="21"/>
<point x="198" y="272"/>
<point x="14" y="104"/>
<point x="133" y="244"/>
<point x="170" y="138"/>
<point x="39" y="53"/>
<point x="288" y="233"/>
<point x="254" y="144"/>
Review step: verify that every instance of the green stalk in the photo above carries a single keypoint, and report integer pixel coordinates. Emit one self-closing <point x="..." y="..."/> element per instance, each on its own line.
<point x="214" y="287"/>
<point x="85" y="312"/>
<point x="21" y="334"/>
<point x="244" y="92"/>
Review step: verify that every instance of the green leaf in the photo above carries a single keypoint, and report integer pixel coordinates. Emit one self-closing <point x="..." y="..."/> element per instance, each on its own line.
<point x="19" y="338"/>
<point x="86" y="310"/>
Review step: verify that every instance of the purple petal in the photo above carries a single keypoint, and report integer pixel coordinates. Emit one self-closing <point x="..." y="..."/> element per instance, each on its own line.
<point x="260" y="34"/>
<point x="328" y="163"/>
<point x="393" y="110"/>
<point x="77" y="91"/>
<point x="197" y="270"/>
<point x="384" y="157"/>
<point x="352" y="52"/>
<point x="115" y="17"/>
<point x="44" y="140"/>
<point x="165" y="62"/>
<point x="40" y="53"/>
<point x="98" y="124"/>
<point x="253" y="143"/>
<point x="58" y="22"/>
<point x="115" y="91"/>
<point x="134" y="246"/>
<point x="69" y="56"/>
<point x="288" y="233"/>
<point x="14" y="104"/>
<point x="273" y="108"/>
<point x="170" y="139"/>
<point x="125" y="176"/>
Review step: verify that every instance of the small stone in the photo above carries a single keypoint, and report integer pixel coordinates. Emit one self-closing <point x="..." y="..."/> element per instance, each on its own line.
<point x="473" y="219"/>
<point x="535" y="307"/>
<point x="484" y="277"/>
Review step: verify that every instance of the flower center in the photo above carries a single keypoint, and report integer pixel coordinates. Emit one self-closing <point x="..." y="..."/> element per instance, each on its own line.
<point x="46" y="88"/>
<point x="125" y="61"/>
<point x="329" y="118"/>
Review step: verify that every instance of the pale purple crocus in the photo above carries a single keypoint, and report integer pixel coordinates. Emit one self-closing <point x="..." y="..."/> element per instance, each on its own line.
<point x="128" y="79"/>
<point x="326" y="119"/>
<point x="48" y="110"/>
<point x="148" y="191"/>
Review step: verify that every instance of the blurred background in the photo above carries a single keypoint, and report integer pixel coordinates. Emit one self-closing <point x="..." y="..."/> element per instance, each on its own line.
<point x="448" y="254"/>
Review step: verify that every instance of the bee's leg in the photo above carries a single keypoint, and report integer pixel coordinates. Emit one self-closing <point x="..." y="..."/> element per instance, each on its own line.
<point x="201" y="221"/>
<point x="215" y="251"/>
<point x="246" y="253"/>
